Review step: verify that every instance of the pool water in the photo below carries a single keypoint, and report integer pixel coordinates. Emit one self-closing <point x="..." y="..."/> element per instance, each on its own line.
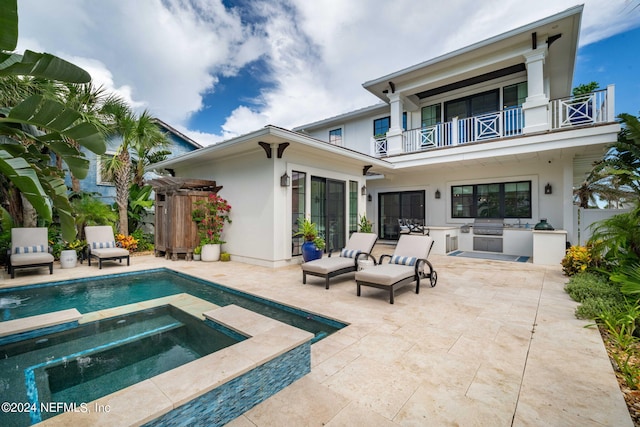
<point x="88" y="295"/>
<point x="98" y="358"/>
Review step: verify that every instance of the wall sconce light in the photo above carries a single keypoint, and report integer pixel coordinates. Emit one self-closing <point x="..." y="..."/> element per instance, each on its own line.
<point x="548" y="189"/>
<point x="369" y="198"/>
<point x="437" y="194"/>
<point x="285" y="180"/>
<point x="363" y="190"/>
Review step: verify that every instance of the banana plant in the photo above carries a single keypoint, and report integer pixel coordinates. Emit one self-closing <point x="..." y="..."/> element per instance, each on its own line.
<point x="42" y="125"/>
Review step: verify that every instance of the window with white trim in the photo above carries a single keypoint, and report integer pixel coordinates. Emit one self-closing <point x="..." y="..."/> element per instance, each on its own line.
<point x="335" y="136"/>
<point x="104" y="176"/>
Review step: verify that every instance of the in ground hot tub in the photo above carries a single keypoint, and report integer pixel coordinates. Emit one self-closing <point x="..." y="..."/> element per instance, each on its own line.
<point x="95" y="359"/>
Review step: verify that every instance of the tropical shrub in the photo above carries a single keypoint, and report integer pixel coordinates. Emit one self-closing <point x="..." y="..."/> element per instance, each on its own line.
<point x="139" y="201"/>
<point x="364" y="226"/>
<point x="5" y="234"/>
<point x="620" y="325"/>
<point x="127" y="242"/>
<point x="595" y="295"/>
<point x="578" y="259"/>
<point x="617" y="239"/>
<point x="90" y="210"/>
<point x="145" y="240"/>
<point x="628" y="277"/>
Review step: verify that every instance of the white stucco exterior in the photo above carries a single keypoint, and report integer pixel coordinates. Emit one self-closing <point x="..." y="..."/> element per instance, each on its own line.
<point x="434" y="141"/>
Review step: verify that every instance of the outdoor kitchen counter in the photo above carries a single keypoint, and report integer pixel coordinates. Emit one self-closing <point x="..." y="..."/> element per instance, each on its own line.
<point x="443" y="238"/>
<point x="516" y="240"/>
<point x="549" y="246"/>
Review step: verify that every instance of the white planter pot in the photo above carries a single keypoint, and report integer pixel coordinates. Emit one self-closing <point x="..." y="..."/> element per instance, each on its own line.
<point x="196" y="257"/>
<point x="210" y="252"/>
<point x="68" y="258"/>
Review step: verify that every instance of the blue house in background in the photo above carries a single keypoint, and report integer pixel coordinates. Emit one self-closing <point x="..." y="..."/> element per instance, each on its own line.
<point x="96" y="182"/>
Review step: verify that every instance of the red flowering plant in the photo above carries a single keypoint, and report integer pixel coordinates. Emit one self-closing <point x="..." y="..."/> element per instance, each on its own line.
<point x="210" y="215"/>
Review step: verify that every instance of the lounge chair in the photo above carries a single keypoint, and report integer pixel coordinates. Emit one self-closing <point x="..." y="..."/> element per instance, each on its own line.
<point x="102" y="245"/>
<point x="406" y="265"/>
<point x="29" y="248"/>
<point x="359" y="246"/>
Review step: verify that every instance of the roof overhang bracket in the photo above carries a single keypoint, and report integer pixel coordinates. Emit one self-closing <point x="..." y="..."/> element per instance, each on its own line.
<point x="281" y="147"/>
<point x="266" y="147"/>
<point x="553" y="38"/>
<point x="366" y="169"/>
<point x="534" y="41"/>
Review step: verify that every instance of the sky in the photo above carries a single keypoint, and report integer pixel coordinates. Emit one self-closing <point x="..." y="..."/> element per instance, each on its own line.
<point x="215" y="69"/>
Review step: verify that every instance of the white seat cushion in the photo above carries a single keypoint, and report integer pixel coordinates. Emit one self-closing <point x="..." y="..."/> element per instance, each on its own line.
<point x="109" y="252"/>
<point x="385" y="274"/>
<point x="32" y="258"/>
<point x="328" y="264"/>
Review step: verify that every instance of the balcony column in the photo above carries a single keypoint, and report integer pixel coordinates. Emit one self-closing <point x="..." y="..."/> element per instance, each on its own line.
<point x="535" y="108"/>
<point x="394" y="135"/>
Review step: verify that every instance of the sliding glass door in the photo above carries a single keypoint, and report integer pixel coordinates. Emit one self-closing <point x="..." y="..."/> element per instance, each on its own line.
<point x="396" y="206"/>
<point x="328" y="206"/>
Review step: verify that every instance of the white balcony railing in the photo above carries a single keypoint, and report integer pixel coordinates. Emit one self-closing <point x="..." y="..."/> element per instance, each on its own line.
<point x="585" y="109"/>
<point x="508" y="122"/>
<point x="593" y="108"/>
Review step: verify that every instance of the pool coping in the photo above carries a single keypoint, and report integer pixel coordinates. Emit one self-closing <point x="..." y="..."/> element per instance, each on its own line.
<point x="147" y="400"/>
<point x="39" y="321"/>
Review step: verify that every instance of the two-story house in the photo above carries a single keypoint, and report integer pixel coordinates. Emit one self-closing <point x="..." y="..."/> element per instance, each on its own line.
<point x="488" y="132"/>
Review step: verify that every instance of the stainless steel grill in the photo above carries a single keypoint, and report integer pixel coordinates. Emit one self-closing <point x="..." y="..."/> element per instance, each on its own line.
<point x="488" y="226"/>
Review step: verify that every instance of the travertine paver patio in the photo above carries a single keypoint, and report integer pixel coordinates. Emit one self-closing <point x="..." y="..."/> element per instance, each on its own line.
<point x="495" y="343"/>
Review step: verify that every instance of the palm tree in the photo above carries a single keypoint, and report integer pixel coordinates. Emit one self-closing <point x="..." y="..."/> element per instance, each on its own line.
<point x="623" y="157"/>
<point x="90" y="101"/>
<point x="138" y="134"/>
<point x="599" y="186"/>
<point x="33" y="126"/>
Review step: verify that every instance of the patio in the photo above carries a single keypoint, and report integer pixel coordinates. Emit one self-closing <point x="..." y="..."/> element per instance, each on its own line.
<point x="494" y="343"/>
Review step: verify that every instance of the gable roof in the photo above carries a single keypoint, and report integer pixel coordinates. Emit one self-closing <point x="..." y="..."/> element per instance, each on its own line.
<point x="177" y="133"/>
<point x="271" y="136"/>
<point x="495" y="54"/>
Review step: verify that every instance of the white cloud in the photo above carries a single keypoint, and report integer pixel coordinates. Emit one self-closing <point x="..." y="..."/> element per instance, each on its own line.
<point x="165" y="55"/>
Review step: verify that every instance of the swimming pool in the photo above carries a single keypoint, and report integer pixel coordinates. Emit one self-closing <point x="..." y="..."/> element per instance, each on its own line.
<point x="98" y="358"/>
<point x="93" y="294"/>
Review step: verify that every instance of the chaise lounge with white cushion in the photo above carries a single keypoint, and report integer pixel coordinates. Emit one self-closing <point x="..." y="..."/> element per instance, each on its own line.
<point x="359" y="246"/>
<point x="102" y="245"/>
<point x="29" y="248"/>
<point x="406" y="265"/>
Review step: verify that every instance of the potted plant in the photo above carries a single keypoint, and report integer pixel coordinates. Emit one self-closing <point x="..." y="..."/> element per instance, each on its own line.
<point x="313" y="245"/>
<point x="210" y="215"/>
<point x="196" y="253"/>
<point x="225" y="256"/>
<point x="70" y="252"/>
<point x="364" y="226"/>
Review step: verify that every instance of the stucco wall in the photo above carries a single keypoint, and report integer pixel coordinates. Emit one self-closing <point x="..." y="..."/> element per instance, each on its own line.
<point x="438" y="211"/>
<point x="261" y="208"/>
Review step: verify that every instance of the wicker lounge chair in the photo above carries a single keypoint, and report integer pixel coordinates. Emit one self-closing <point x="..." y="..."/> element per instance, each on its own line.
<point x="29" y="248"/>
<point x="102" y="245"/>
<point x="359" y="246"/>
<point x="406" y="265"/>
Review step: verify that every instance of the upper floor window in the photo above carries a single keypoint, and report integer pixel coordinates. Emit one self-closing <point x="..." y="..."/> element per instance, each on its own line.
<point x="474" y="105"/>
<point x="381" y="126"/>
<point x="499" y="200"/>
<point x="514" y="95"/>
<point x="335" y="136"/>
<point x="431" y="115"/>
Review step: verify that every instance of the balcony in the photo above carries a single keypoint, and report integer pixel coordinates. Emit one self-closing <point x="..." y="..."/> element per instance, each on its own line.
<point x="588" y="109"/>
